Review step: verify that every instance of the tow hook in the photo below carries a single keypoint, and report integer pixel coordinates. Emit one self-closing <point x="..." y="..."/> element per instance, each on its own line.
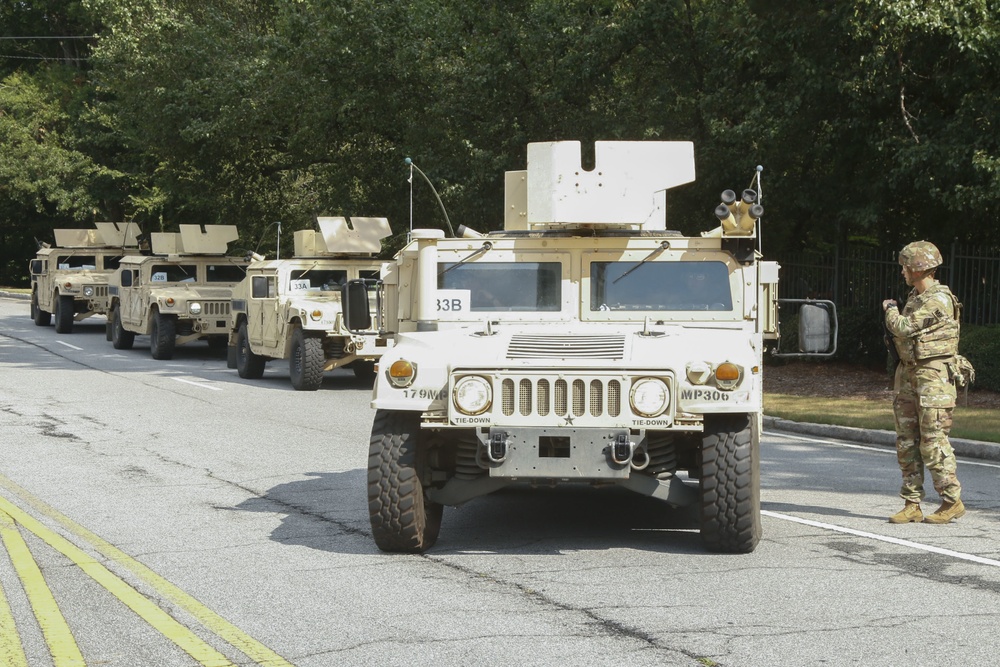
<point x="622" y="449"/>
<point x="496" y="451"/>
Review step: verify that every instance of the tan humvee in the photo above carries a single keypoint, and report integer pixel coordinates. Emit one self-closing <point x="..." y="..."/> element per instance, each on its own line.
<point x="178" y="294"/>
<point x="584" y="343"/>
<point x="70" y="279"/>
<point x="290" y="308"/>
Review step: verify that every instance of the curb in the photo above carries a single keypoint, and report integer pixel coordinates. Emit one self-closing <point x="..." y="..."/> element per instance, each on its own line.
<point x="15" y="295"/>
<point x="974" y="449"/>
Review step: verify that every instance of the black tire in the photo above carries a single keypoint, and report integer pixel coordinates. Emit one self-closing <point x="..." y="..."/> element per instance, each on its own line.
<point x="730" y="485"/>
<point x="250" y="366"/>
<point x="42" y="317"/>
<point x="163" y="336"/>
<point x="305" y="363"/>
<point x="121" y="339"/>
<point x="34" y="306"/>
<point x="64" y="314"/>
<point x="364" y="370"/>
<point x="403" y="520"/>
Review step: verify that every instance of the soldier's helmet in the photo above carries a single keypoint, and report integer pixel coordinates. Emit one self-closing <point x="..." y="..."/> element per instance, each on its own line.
<point x="920" y="256"/>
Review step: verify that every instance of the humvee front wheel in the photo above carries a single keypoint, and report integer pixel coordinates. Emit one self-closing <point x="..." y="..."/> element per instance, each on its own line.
<point x="163" y="336"/>
<point x="305" y="365"/>
<point x="250" y="366"/>
<point x="64" y="314"/>
<point x="730" y="485"/>
<point x="120" y="338"/>
<point x="402" y="518"/>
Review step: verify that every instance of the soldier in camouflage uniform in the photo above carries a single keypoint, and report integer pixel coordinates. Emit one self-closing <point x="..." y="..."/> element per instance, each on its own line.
<point x="925" y="335"/>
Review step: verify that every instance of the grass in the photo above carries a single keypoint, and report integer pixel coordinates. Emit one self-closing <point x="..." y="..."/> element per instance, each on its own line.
<point x="970" y="423"/>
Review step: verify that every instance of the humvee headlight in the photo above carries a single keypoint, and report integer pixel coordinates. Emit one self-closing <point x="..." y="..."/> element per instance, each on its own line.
<point x="698" y="372"/>
<point x="88" y="291"/>
<point x="402" y="373"/>
<point x="473" y="395"/>
<point x="195" y="308"/>
<point x="650" y="397"/>
<point x="728" y="375"/>
<point x="316" y="315"/>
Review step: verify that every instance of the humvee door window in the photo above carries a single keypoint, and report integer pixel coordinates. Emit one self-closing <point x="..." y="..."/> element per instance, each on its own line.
<point x="111" y="262"/>
<point x="82" y="262"/>
<point x="174" y="273"/>
<point x="224" y="273"/>
<point x="660" y="286"/>
<point x="262" y="287"/>
<point x="317" y="280"/>
<point x="506" y="286"/>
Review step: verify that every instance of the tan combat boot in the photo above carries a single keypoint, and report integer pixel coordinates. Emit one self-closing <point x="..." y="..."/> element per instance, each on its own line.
<point x="947" y="512"/>
<point x="910" y="513"/>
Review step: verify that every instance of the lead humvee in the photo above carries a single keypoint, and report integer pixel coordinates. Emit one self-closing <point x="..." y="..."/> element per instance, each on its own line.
<point x="290" y="308"/>
<point x="179" y="293"/>
<point x="70" y="280"/>
<point x="584" y="343"/>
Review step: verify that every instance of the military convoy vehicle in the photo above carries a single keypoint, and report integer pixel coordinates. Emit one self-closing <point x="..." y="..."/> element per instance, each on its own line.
<point x="70" y="280"/>
<point x="291" y="308"/>
<point x="584" y="343"/>
<point x="179" y="293"/>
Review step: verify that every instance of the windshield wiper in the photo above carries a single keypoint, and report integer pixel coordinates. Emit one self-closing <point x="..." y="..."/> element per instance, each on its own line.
<point x="656" y="251"/>
<point x="487" y="246"/>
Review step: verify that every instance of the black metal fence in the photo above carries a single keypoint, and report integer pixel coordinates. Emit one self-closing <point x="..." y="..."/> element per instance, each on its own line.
<point x="862" y="277"/>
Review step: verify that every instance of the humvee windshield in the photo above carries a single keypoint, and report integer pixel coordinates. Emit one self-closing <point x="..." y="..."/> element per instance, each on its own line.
<point x="173" y="273"/>
<point x="317" y="280"/>
<point x="88" y="262"/>
<point x="505" y="286"/>
<point x="660" y="286"/>
<point x="224" y="273"/>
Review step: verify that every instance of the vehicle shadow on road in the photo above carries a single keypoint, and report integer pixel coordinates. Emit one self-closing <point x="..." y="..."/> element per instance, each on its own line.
<point x="329" y="512"/>
<point x="818" y="510"/>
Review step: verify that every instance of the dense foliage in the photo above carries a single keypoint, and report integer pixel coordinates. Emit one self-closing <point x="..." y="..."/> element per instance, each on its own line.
<point x="874" y="119"/>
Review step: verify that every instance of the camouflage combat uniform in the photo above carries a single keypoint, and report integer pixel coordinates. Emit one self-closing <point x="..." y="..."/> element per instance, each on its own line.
<point x="926" y="336"/>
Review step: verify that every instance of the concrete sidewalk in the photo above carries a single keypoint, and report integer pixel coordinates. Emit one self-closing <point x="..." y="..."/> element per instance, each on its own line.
<point x="974" y="449"/>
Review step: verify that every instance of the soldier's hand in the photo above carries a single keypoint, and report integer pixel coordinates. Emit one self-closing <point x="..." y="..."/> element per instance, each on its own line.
<point x="887" y="303"/>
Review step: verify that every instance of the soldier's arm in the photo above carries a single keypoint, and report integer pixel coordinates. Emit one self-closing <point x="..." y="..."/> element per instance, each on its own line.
<point x="934" y="310"/>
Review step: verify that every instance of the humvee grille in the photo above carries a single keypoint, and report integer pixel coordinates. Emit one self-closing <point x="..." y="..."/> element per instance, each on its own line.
<point x="543" y="396"/>
<point x="100" y="291"/>
<point x="575" y="347"/>
<point x="214" y="308"/>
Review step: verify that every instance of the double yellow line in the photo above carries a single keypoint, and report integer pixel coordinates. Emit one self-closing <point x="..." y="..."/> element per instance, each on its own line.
<point x="55" y="630"/>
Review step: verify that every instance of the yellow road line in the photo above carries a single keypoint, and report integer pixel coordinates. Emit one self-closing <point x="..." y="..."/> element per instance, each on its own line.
<point x="62" y="646"/>
<point x="211" y="620"/>
<point x="170" y="628"/>
<point x="11" y="650"/>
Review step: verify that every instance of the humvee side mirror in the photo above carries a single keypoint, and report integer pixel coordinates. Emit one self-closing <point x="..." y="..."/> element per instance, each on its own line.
<point x="818" y="329"/>
<point x="355" y="302"/>
<point x="36" y="266"/>
<point x="126" y="278"/>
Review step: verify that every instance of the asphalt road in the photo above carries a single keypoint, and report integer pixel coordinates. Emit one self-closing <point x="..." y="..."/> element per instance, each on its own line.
<point x="170" y="513"/>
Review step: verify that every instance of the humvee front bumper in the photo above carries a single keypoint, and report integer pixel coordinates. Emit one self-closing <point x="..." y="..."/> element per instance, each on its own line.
<point x="565" y="452"/>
